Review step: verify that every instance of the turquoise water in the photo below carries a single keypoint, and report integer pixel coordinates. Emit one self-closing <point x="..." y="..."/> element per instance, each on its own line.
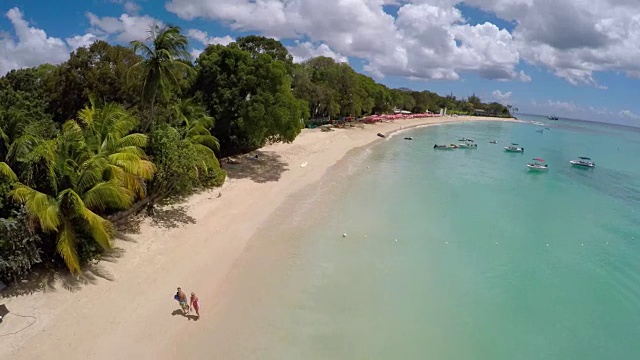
<point x="454" y="254"/>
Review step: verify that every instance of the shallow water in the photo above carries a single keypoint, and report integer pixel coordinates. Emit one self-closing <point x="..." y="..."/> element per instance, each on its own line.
<point x="458" y="254"/>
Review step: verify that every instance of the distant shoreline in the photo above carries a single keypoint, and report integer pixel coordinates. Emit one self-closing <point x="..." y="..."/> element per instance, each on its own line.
<point x="131" y="315"/>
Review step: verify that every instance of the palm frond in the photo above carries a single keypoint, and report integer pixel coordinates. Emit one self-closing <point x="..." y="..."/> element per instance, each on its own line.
<point x="139" y="140"/>
<point x="39" y="205"/>
<point x="7" y="172"/>
<point x="108" y="195"/>
<point x="206" y="140"/>
<point x="66" y="247"/>
<point x="101" y="229"/>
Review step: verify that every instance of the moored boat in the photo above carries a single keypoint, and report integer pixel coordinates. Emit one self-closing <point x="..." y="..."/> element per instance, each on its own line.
<point x="445" y="147"/>
<point x="552" y="117"/>
<point x="468" y="144"/>
<point x="493" y="142"/>
<point x="583" y="161"/>
<point x="537" y="165"/>
<point x="514" y="148"/>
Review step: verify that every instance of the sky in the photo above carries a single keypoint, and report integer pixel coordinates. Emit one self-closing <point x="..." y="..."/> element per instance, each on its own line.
<point x="569" y="58"/>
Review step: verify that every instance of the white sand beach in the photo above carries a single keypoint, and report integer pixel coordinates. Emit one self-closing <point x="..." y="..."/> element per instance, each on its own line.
<point x="124" y="305"/>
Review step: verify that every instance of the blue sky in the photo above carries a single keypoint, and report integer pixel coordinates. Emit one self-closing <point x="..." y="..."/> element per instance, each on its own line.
<point x="534" y="57"/>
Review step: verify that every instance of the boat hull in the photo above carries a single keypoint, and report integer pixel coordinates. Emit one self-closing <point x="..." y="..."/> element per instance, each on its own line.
<point x="582" y="165"/>
<point x="537" y="168"/>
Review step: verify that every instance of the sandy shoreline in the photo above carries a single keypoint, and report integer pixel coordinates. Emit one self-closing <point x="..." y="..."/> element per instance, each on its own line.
<point x="125" y="305"/>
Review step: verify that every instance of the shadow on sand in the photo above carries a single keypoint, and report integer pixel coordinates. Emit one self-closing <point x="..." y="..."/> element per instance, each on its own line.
<point x="267" y="167"/>
<point x="50" y="280"/>
<point x="180" y="312"/>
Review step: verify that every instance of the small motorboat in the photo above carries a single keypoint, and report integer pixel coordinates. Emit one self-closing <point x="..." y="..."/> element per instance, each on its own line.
<point x="381" y="135"/>
<point x="537" y="165"/>
<point x="514" y="148"/>
<point x="445" y="147"/>
<point x="552" y="117"/>
<point x="408" y="138"/>
<point x="493" y="142"/>
<point x="583" y="161"/>
<point x="539" y="130"/>
<point x="464" y="139"/>
<point x="468" y="144"/>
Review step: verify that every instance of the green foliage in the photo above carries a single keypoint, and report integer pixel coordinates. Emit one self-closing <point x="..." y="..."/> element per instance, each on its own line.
<point x="161" y="65"/>
<point x="250" y="97"/>
<point x="100" y="71"/>
<point x="19" y="246"/>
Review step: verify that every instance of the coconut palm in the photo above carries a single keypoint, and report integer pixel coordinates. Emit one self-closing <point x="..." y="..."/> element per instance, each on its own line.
<point x="96" y="165"/>
<point x="107" y="133"/>
<point x="162" y="63"/>
<point x="197" y="122"/>
<point x="80" y="187"/>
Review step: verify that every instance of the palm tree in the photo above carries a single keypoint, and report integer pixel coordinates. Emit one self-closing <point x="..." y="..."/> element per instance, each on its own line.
<point x="197" y="122"/>
<point x="161" y="63"/>
<point x="96" y="166"/>
<point x="107" y="132"/>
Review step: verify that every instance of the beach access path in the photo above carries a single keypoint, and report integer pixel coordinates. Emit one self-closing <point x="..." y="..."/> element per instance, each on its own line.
<point x="123" y="306"/>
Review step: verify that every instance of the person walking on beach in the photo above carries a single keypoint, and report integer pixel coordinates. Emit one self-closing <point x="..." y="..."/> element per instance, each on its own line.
<point x="195" y="304"/>
<point x="182" y="300"/>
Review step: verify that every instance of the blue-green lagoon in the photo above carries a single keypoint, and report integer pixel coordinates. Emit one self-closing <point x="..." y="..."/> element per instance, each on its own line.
<point x="459" y="254"/>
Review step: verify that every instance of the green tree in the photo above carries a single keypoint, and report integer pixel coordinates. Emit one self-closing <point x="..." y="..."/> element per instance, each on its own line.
<point x="249" y="96"/>
<point x="87" y="174"/>
<point x="100" y="70"/>
<point x="161" y="64"/>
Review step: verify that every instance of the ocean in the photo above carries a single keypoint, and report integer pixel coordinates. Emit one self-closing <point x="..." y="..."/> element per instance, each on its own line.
<point x="406" y="252"/>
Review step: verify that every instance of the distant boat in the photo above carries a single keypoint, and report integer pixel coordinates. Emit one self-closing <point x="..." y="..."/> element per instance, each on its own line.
<point x="381" y="135"/>
<point x="583" y="161"/>
<point x="539" y="130"/>
<point x="445" y="147"/>
<point x="548" y="128"/>
<point x="552" y="117"/>
<point x="537" y="165"/>
<point x="514" y="148"/>
<point x="408" y="138"/>
<point x="493" y="142"/>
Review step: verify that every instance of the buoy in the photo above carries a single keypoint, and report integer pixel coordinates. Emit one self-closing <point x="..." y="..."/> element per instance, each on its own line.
<point x="446" y="242"/>
<point x="496" y="243"/>
<point x="344" y="235"/>
<point x="396" y="240"/>
<point x="547" y="244"/>
<point x="581" y="244"/>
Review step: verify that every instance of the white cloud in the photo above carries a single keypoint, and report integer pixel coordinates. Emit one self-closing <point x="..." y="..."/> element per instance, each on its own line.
<point x="501" y="97"/>
<point x="562" y="105"/>
<point x="203" y="38"/>
<point x="32" y="46"/>
<point x="574" y="39"/>
<point x="131" y="7"/>
<point x="124" y="28"/>
<point x="81" y="41"/>
<point x="424" y="41"/>
<point x="306" y="50"/>
<point x="628" y="114"/>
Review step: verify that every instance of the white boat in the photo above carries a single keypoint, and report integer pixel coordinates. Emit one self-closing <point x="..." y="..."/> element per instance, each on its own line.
<point x="445" y="147"/>
<point x="468" y="144"/>
<point x="514" y="148"/>
<point x="583" y="161"/>
<point x="493" y="142"/>
<point x="537" y="165"/>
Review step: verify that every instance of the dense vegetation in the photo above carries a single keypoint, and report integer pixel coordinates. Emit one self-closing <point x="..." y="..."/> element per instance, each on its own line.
<point x="116" y="126"/>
